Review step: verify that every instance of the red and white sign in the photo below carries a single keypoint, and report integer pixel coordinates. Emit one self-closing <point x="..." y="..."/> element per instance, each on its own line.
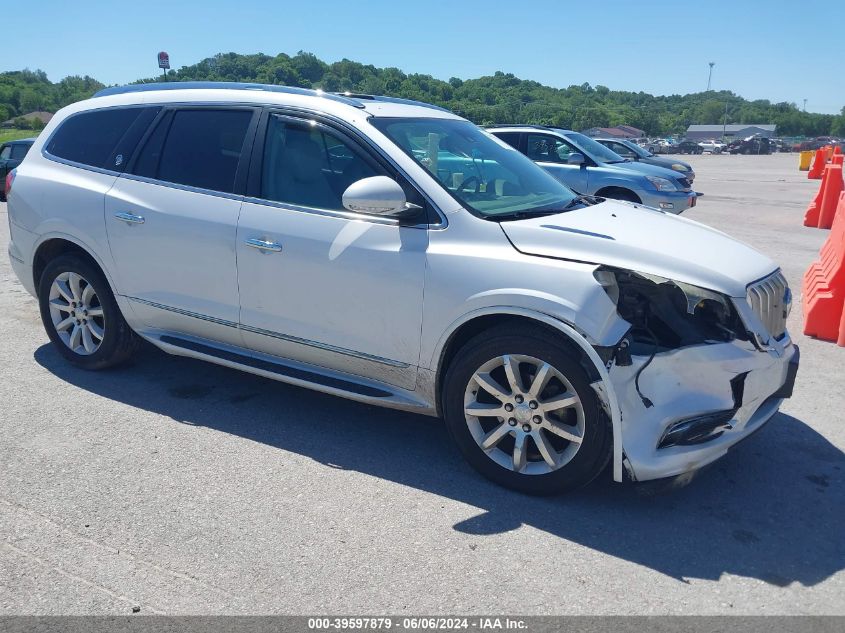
<point x="163" y="60"/>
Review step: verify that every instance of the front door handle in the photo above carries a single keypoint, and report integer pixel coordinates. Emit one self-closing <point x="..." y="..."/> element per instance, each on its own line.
<point x="130" y="217"/>
<point x="264" y="245"/>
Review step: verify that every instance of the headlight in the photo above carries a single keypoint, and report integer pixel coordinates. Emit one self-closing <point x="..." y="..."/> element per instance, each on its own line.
<point x="662" y="184"/>
<point x="679" y="167"/>
<point x="673" y="313"/>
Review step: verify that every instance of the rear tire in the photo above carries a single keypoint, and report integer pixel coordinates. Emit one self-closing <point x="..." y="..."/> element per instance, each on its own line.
<point x="81" y="316"/>
<point x="544" y="433"/>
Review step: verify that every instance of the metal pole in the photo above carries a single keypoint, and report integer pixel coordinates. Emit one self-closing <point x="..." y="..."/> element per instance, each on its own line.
<point x="725" y="122"/>
<point x="710" y="76"/>
<point x="805" y="105"/>
<point x="164" y="73"/>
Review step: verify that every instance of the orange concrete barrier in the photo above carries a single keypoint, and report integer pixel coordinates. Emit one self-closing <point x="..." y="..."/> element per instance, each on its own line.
<point x="828" y="151"/>
<point x="813" y="212"/>
<point x="823" y="286"/>
<point x="837" y="159"/>
<point x="830" y="197"/>
<point x="819" y="162"/>
<point x="837" y="150"/>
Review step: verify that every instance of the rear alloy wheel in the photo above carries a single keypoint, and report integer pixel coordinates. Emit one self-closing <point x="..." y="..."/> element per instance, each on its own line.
<point x="77" y="313"/>
<point x="81" y="316"/>
<point x="523" y="413"/>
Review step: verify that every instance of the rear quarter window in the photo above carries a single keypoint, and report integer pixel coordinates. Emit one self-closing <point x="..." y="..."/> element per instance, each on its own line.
<point x="101" y="138"/>
<point x="19" y="151"/>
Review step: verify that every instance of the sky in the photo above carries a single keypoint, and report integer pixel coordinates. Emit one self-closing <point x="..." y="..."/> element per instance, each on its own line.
<point x="781" y="50"/>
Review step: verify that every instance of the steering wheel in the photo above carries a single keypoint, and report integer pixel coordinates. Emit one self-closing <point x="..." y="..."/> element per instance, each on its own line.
<point x="463" y="184"/>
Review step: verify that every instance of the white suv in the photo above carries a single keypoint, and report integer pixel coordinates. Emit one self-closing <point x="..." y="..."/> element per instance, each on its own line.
<point x="393" y="253"/>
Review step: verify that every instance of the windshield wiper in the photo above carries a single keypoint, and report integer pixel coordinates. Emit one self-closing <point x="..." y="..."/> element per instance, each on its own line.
<point x="523" y="215"/>
<point x="538" y="213"/>
<point x="582" y="199"/>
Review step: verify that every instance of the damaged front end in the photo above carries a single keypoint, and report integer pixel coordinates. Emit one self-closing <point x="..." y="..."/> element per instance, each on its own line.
<point x="690" y="376"/>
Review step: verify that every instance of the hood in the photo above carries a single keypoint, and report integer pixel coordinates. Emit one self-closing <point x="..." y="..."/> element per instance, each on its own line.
<point x="625" y="235"/>
<point x="648" y="169"/>
<point x="666" y="163"/>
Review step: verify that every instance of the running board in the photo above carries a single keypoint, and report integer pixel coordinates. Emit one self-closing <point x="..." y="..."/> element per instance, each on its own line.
<point x="293" y="372"/>
<point x="275" y="368"/>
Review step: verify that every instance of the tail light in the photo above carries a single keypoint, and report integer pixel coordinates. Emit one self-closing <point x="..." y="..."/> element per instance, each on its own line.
<point x="10" y="178"/>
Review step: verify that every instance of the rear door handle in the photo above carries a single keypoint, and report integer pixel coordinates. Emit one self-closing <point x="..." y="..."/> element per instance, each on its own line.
<point x="264" y="245"/>
<point x="130" y="217"/>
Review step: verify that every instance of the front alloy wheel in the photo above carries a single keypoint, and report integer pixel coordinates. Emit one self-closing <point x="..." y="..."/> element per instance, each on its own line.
<point x="520" y="407"/>
<point x="524" y="414"/>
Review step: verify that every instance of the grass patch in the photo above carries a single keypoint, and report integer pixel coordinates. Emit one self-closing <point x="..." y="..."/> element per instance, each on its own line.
<point x="14" y="135"/>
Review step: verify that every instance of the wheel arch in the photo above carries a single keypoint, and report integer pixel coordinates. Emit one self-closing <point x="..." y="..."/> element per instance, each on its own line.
<point x="606" y="192"/>
<point x="480" y="321"/>
<point x="53" y="245"/>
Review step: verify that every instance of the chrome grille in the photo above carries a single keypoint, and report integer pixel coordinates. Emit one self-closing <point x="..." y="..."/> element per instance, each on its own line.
<point x="770" y="299"/>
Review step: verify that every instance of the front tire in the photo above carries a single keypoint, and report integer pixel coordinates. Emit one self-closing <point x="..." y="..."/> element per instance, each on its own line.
<point x="81" y="316"/>
<point x="523" y="414"/>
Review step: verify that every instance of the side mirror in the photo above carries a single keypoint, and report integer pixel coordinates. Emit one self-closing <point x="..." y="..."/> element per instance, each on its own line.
<point x="575" y="159"/>
<point x="379" y="195"/>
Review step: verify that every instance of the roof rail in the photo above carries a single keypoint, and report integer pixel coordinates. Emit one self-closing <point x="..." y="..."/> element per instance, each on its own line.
<point x="224" y="85"/>
<point x="529" y="125"/>
<point x="382" y="98"/>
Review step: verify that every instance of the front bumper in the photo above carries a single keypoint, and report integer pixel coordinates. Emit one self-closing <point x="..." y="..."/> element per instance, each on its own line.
<point x="672" y="202"/>
<point x="688" y="383"/>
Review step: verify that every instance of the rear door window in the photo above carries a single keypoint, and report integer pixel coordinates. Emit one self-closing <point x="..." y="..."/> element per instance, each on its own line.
<point x="200" y="148"/>
<point x="6" y="152"/>
<point x="90" y="138"/>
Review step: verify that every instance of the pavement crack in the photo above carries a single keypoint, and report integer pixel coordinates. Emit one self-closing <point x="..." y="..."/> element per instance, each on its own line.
<point x="113" y="550"/>
<point x="78" y="578"/>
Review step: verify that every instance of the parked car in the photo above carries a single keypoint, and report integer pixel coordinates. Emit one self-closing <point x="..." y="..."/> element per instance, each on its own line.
<point x="689" y="147"/>
<point x="589" y="167"/>
<point x="750" y="145"/>
<point x="714" y="147"/>
<point x="293" y="234"/>
<point x="11" y="155"/>
<point x="632" y="151"/>
<point x="664" y="146"/>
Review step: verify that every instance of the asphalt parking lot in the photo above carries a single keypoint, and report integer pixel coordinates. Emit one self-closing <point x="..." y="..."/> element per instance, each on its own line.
<point x="185" y="488"/>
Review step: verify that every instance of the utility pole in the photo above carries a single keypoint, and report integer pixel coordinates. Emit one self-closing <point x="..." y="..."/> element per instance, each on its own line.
<point x="725" y="122"/>
<point x="805" y="105"/>
<point x="710" y="76"/>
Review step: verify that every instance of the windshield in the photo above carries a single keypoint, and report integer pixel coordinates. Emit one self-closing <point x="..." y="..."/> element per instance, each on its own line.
<point x="484" y="174"/>
<point x="594" y="149"/>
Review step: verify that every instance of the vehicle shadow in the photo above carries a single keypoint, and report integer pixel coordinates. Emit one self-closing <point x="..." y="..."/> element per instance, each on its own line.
<point x="773" y="509"/>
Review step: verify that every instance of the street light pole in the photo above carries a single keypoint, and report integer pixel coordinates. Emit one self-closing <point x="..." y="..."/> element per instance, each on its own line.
<point x="805" y="105"/>
<point x="710" y="76"/>
<point x="725" y="122"/>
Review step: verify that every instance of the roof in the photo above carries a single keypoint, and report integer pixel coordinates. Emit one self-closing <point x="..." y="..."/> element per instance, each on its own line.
<point x="769" y="127"/>
<point x="617" y="131"/>
<point x="528" y="126"/>
<point x="374" y="104"/>
<point x="42" y="116"/>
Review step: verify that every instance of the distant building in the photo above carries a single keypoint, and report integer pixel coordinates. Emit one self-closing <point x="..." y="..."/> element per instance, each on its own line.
<point x="620" y="131"/>
<point x="702" y="132"/>
<point x="44" y="117"/>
